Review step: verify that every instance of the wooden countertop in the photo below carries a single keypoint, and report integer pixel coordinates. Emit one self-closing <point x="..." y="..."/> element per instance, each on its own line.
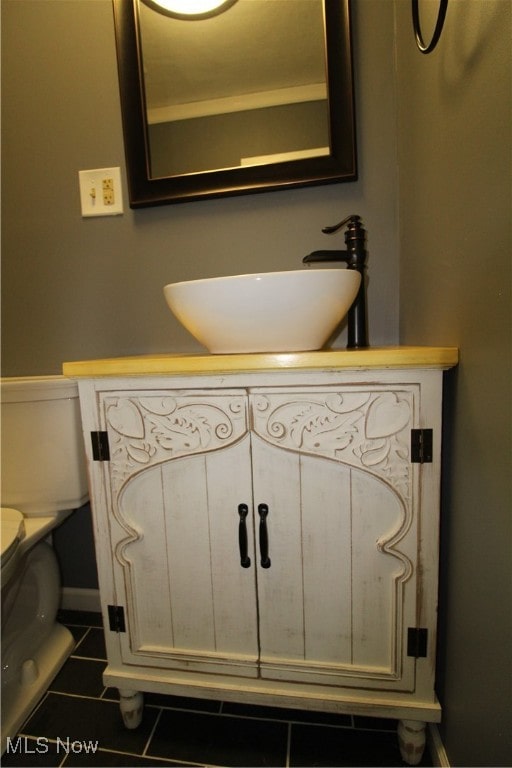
<point x="168" y="364"/>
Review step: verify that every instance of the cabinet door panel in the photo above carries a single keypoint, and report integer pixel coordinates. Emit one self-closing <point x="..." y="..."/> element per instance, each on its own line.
<point x="233" y="587"/>
<point x="331" y="605"/>
<point x="276" y="477"/>
<point x="327" y="552"/>
<point x="378" y="576"/>
<point x="187" y="531"/>
<point x="143" y="586"/>
<point x="189" y="602"/>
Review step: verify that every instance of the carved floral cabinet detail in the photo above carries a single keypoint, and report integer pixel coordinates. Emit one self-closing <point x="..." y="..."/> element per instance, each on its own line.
<point x="270" y="538"/>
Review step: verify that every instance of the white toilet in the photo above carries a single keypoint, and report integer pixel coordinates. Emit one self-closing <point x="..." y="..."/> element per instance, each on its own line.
<point x="43" y="479"/>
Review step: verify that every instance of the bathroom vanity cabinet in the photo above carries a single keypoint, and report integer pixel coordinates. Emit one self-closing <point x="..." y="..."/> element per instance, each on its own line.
<point x="267" y="528"/>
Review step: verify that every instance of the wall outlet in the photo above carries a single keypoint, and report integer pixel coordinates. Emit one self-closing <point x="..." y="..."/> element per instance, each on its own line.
<point x="108" y="192"/>
<point x="100" y="192"/>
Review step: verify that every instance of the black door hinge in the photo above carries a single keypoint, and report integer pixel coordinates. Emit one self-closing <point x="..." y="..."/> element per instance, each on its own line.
<point x="421" y="446"/>
<point x="417" y="641"/>
<point x="100" y="446"/>
<point x="116" y="618"/>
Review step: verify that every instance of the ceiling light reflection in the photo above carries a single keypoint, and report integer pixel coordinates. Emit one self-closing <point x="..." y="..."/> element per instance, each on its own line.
<point x="190" y="9"/>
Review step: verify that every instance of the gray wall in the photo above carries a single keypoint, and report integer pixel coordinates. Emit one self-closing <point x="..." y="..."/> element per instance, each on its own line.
<point x="454" y="139"/>
<point x="75" y="288"/>
<point x="78" y="288"/>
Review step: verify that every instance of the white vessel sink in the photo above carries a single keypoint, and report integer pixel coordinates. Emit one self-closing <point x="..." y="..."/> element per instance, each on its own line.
<point x="268" y="312"/>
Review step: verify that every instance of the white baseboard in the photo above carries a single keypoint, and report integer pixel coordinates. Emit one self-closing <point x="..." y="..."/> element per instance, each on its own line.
<point x="436" y="747"/>
<point x="75" y="599"/>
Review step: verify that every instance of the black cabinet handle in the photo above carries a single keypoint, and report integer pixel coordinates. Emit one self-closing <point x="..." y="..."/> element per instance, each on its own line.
<point x="245" y="560"/>
<point x="263" y="513"/>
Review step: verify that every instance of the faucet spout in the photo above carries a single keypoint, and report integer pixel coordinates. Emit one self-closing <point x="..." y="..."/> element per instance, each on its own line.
<point x="322" y="256"/>
<point x="355" y="258"/>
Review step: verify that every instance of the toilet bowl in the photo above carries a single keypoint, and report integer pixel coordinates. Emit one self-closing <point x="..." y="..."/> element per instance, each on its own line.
<point x="43" y="479"/>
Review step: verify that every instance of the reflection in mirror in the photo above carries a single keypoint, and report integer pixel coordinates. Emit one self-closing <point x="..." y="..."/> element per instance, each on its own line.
<point x="256" y="97"/>
<point x="205" y="111"/>
<point x="189" y="9"/>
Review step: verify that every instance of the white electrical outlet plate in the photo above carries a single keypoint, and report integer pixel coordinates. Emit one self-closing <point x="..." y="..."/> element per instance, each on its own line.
<point x="100" y="192"/>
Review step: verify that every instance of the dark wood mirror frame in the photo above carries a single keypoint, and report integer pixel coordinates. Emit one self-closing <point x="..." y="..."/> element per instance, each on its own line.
<point x="339" y="166"/>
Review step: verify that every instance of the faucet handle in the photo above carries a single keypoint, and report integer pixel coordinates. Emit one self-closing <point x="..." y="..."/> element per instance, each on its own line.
<point x="353" y="219"/>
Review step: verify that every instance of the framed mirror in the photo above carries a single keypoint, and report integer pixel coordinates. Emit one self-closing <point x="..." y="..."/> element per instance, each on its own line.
<point x="256" y="98"/>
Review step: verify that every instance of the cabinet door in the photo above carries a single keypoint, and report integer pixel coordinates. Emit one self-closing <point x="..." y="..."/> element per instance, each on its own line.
<point x="189" y="603"/>
<point x="335" y="604"/>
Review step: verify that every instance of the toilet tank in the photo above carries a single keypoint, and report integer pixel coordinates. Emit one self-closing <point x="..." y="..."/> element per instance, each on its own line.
<point x="42" y="455"/>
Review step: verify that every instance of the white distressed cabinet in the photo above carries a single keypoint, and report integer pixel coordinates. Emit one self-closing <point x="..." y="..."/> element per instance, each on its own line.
<point x="268" y="531"/>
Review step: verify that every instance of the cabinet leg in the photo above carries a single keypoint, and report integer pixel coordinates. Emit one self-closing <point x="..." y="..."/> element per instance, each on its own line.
<point x="131" y="704"/>
<point x="411" y="740"/>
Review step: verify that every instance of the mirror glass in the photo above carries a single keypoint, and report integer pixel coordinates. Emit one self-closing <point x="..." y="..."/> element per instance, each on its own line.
<point x="254" y="98"/>
<point x="244" y="87"/>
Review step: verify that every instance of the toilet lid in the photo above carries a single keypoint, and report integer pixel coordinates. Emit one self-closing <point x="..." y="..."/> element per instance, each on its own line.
<point x="13" y="530"/>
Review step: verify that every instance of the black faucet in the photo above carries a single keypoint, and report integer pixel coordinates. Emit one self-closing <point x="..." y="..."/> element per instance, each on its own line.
<point x="355" y="258"/>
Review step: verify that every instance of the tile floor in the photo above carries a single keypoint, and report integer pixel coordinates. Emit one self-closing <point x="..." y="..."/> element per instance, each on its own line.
<point x="78" y="724"/>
